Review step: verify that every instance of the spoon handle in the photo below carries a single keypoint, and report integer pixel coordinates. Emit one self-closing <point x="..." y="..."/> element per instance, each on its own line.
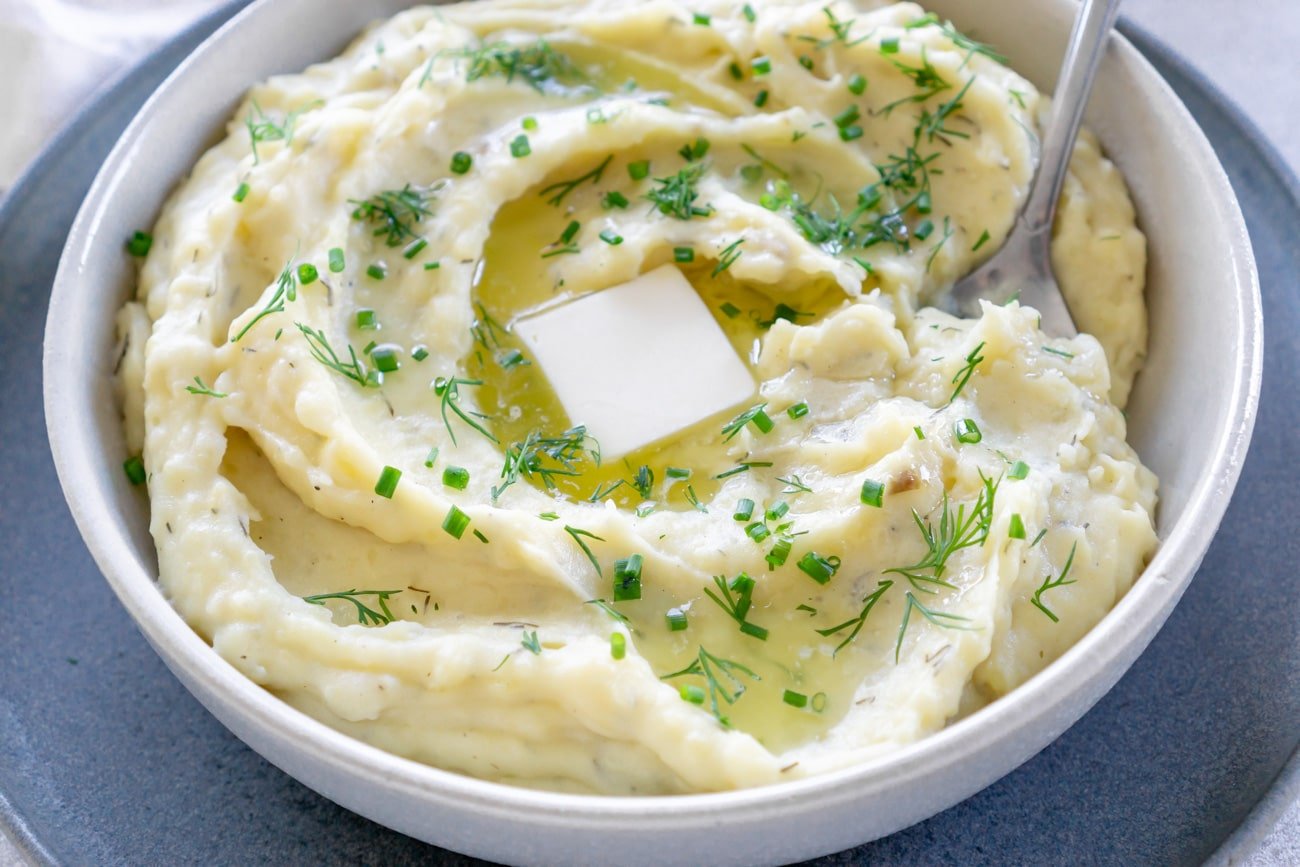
<point x="1087" y="44"/>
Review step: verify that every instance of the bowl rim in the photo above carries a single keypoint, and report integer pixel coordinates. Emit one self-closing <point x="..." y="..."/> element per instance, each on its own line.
<point x="1086" y="665"/>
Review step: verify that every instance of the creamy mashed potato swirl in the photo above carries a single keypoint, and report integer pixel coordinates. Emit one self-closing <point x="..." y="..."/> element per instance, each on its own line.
<point x="913" y="515"/>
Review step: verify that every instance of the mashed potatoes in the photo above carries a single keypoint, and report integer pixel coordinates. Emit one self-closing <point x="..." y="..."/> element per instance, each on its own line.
<point x="369" y="500"/>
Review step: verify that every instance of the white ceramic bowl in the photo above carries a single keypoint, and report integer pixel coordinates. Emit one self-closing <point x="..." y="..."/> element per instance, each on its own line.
<point x="1190" y="417"/>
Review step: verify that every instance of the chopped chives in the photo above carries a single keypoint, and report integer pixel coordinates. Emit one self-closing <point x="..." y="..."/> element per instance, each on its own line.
<point x="924" y="230"/>
<point x="366" y="319"/>
<point x="744" y="510"/>
<point x="757" y="531"/>
<point x="889" y="46"/>
<point x="690" y="692"/>
<point x="617" y="645"/>
<point x="702" y="19"/>
<point x="777" y="510"/>
<point x="520" y="146"/>
<point x="762" y="421"/>
<point x="1019" y="470"/>
<point x="385" y="359"/>
<point x="731" y="311"/>
<point x="760" y="99"/>
<point x="750" y="15"/>
<point x="873" y="493"/>
<point x="848" y="116"/>
<point x="806" y="62"/>
<point x="983" y="239"/>
<point x="369" y="347"/>
<point x="683" y="254"/>
<point x="431" y="457"/>
<point x="461" y="162"/>
<point x="413" y="249"/>
<point x="420" y="352"/>
<point x="241" y="192"/>
<point x="336" y="260"/>
<point x="857" y="84"/>
<point x="780" y="552"/>
<point x="387" y="483"/>
<point x="456" y="477"/>
<point x="307" y="273"/>
<point x="432" y="266"/>
<point x="794" y="699"/>
<point x="478" y="534"/>
<point x="754" y="630"/>
<point x="529" y="123"/>
<point x="455" y="522"/>
<point x="762" y="65"/>
<point x="920" y="434"/>
<point x="676" y="618"/>
<point x="614" y="199"/>
<point x="611" y="237"/>
<point x="1017" y="528"/>
<point x="818" y="568"/>
<point x="799" y="410"/>
<point x="849" y="133"/>
<point x="967" y="431"/>
<point x="677" y="473"/>
<point x="639" y="170"/>
<point x="139" y="244"/>
<point x="735" y="71"/>
<point x="377" y="271"/>
<point x="134" y="469"/>
<point x="923" y="203"/>
<point x="627" y="578"/>
<point x="752" y="173"/>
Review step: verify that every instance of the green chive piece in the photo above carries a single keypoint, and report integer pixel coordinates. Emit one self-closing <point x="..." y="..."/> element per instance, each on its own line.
<point x="857" y="84"/>
<point x="757" y="531"/>
<point x="744" y="510"/>
<point x="924" y="205"/>
<point x="520" y="147"/>
<point x="461" y="162"/>
<point x="139" y="244"/>
<point x="307" y="273"/>
<point x="336" y="260"/>
<point x="683" y="254"/>
<point x="478" y="534"/>
<point x="920" y="434"/>
<point x="849" y="133"/>
<point x="413" y="249"/>
<point x="611" y="237"/>
<point x="366" y="319"/>
<point x="241" y="192"/>
<point x="1017" y="528"/>
<point x="676" y="618"/>
<point x="731" y="311"/>
<point x="677" y="474"/>
<point x="639" y="170"/>
<point x="387" y="483"/>
<point x="736" y="72"/>
<point x="455" y="522"/>
<point x="385" y="359"/>
<point x="794" y="699"/>
<point x="780" y="552"/>
<point x="925" y="230"/>
<point x="377" y="271"/>
<point x="763" y="422"/>
<point x="456" y="477"/>
<point x="847" y="117"/>
<point x="761" y="65"/>
<point x="617" y="645"/>
<point x="614" y="199"/>
<point x="889" y="46"/>
<point x="873" y="493"/>
<point x="967" y="431"/>
<point x="983" y="239"/>
<point x="760" y="99"/>
<point x="750" y="15"/>
<point x="134" y="469"/>
<point x="420" y="353"/>
<point x="431" y="457"/>
<point x="818" y="568"/>
<point x="702" y="19"/>
<point x="777" y="510"/>
<point x="529" y="123"/>
<point x="627" y="578"/>
<point x="432" y="266"/>
<point x="1019" y="470"/>
<point x="690" y="692"/>
<point x="754" y="630"/>
<point x="799" y="410"/>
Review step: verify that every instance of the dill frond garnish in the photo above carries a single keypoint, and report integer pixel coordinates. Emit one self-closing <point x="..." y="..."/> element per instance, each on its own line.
<point x="366" y="615"/>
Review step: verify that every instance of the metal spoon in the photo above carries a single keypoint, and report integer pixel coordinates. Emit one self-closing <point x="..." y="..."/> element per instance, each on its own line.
<point x="1023" y="267"/>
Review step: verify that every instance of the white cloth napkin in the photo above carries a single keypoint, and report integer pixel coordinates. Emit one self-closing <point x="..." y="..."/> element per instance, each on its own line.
<point x="55" y="53"/>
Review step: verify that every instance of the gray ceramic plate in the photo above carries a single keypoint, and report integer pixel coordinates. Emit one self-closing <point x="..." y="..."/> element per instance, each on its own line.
<point x="106" y="759"/>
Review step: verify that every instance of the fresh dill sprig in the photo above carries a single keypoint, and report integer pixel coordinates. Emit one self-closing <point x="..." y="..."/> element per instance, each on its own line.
<point x="675" y="195"/>
<point x="728" y="256"/>
<point x="560" y="189"/>
<point x="756" y="414"/>
<point x="721" y="677"/>
<point x="366" y="615"/>
<point x="394" y="213"/>
<point x="970" y="46"/>
<point x="794" y="485"/>
<point x="199" y="388"/>
<point x="448" y="389"/>
<point x="644" y="481"/>
<point x="938" y="618"/>
<point x="1050" y="584"/>
<point x="956" y="531"/>
<point x="608" y="609"/>
<point x="261" y="128"/>
<point x="531" y="643"/>
<point x="929" y="82"/>
<point x="841" y="29"/>
<point x="323" y="352"/>
<point x="538" y="65"/>
<point x="576" y="533"/>
<point x="973" y="359"/>
<point x="857" y="622"/>
<point x="694" y="500"/>
<point x="546" y="457"/>
<point x="604" y="491"/>
<point x="947" y="235"/>
<point x="736" y="597"/>
<point x="565" y="243"/>
<point x="286" y="289"/>
<point x="935" y="124"/>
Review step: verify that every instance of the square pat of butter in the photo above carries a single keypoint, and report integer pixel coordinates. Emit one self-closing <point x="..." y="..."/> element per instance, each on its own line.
<point x="637" y="362"/>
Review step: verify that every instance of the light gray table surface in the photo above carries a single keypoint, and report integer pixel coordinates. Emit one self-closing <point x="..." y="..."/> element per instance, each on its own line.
<point x="1249" y="49"/>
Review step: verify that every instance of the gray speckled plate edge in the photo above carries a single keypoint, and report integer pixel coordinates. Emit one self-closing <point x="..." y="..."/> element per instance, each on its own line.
<point x="114" y="104"/>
